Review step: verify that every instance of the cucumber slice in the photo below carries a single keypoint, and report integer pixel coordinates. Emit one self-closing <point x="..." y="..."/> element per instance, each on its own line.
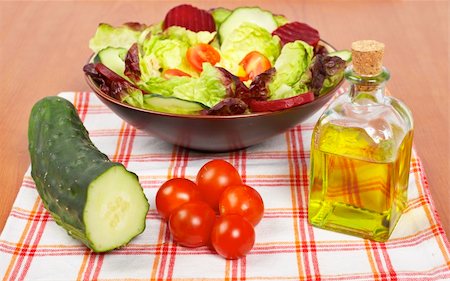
<point x="114" y="59"/>
<point x="97" y="201"/>
<point x="114" y="210"/>
<point x="254" y="15"/>
<point x="220" y="14"/>
<point x="343" y="54"/>
<point x="171" y="105"/>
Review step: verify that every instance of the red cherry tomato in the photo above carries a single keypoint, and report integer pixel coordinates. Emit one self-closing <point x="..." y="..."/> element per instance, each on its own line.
<point x="254" y="64"/>
<point x="191" y="224"/>
<point x="174" y="193"/>
<point x="213" y="178"/>
<point x="242" y="200"/>
<point x="169" y="73"/>
<point x="232" y="236"/>
<point x="201" y="53"/>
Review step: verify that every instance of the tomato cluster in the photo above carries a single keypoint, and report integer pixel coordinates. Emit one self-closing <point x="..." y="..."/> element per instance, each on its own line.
<point x="191" y="210"/>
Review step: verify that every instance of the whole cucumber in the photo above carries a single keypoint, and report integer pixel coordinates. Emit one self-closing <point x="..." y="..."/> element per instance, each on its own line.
<point x="97" y="201"/>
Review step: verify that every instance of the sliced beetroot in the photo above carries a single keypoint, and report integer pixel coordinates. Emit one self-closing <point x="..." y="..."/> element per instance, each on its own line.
<point x="275" y="105"/>
<point x="190" y="17"/>
<point x="293" y="31"/>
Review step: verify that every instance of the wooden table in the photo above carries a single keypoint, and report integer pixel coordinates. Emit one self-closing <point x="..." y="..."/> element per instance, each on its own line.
<point x="45" y="44"/>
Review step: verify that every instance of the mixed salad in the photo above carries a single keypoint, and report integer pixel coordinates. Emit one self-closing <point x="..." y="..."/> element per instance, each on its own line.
<point x="217" y="62"/>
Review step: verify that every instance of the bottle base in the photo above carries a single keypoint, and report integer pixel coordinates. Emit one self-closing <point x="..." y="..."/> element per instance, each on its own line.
<point x="348" y="219"/>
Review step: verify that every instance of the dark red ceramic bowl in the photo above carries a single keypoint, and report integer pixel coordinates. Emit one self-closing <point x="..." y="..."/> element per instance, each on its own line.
<point x="213" y="133"/>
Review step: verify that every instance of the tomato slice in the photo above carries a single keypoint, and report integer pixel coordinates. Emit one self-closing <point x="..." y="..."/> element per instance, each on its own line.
<point x="254" y="64"/>
<point x="244" y="201"/>
<point x="275" y="105"/>
<point x="169" y="73"/>
<point x="201" y="53"/>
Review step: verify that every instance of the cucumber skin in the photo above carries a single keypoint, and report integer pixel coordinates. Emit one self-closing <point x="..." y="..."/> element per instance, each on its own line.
<point x="64" y="161"/>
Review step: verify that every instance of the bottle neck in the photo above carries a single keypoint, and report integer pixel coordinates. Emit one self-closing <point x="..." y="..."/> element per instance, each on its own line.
<point x="367" y="89"/>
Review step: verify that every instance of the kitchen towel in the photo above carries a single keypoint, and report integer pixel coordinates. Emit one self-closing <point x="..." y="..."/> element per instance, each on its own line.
<point x="34" y="247"/>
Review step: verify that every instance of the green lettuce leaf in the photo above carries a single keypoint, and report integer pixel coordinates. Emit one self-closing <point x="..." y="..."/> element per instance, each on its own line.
<point x="167" y="50"/>
<point x="208" y="89"/>
<point x="162" y="86"/>
<point x="246" y="38"/>
<point x="188" y="36"/>
<point x="150" y="31"/>
<point x="291" y="70"/>
<point x="117" y="37"/>
<point x="135" y="98"/>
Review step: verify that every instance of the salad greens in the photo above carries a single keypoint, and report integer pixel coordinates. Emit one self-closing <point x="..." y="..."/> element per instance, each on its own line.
<point x="116" y="37"/>
<point x="292" y="70"/>
<point x="158" y="67"/>
<point x="246" y="38"/>
<point x="208" y="89"/>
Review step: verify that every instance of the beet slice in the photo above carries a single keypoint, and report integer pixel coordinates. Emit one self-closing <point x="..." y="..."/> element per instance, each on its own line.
<point x="190" y="17"/>
<point x="293" y="31"/>
<point x="275" y="105"/>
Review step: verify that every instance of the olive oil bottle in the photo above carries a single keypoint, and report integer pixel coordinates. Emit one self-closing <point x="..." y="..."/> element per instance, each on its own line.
<point x="361" y="152"/>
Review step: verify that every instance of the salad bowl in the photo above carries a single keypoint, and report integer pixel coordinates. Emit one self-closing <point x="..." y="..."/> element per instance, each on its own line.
<point x="210" y="132"/>
<point x="214" y="80"/>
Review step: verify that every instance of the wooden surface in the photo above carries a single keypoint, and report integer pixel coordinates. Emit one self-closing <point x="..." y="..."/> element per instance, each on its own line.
<point x="43" y="46"/>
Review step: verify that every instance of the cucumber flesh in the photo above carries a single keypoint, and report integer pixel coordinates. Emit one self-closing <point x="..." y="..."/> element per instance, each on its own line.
<point x="114" y="59"/>
<point x="343" y="54"/>
<point x="254" y="15"/>
<point x="220" y="14"/>
<point x="171" y="105"/>
<point x="115" y="209"/>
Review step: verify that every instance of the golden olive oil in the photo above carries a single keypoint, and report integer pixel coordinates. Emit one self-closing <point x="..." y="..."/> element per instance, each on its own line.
<point x="357" y="187"/>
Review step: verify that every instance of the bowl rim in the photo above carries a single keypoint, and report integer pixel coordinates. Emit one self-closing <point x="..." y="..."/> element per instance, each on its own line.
<point x="104" y="95"/>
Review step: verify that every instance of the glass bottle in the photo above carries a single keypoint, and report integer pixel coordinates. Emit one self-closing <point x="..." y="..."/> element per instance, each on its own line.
<point x="361" y="152"/>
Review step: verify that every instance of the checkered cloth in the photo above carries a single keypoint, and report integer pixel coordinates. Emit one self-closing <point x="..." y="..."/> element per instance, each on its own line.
<point x="33" y="247"/>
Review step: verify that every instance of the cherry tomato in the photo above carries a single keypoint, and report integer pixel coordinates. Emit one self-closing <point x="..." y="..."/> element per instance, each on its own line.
<point x="191" y="224"/>
<point x="201" y="53"/>
<point x="173" y="193"/>
<point x="213" y="178"/>
<point x="242" y="200"/>
<point x="254" y="64"/>
<point x="232" y="236"/>
<point x="169" y="73"/>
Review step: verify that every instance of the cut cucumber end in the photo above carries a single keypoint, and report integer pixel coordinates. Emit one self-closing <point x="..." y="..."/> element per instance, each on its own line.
<point x="115" y="209"/>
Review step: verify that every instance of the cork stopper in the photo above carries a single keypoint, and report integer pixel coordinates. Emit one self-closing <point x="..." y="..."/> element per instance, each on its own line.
<point x="367" y="57"/>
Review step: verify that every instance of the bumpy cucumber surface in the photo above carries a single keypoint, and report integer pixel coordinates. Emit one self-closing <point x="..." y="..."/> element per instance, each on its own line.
<point x="97" y="201"/>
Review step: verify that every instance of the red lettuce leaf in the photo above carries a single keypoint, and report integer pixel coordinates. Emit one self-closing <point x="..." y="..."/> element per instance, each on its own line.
<point x="323" y="67"/>
<point x="132" y="69"/>
<point x="259" y="88"/>
<point x="135" y="26"/>
<point x="108" y="81"/>
<point x="228" y="106"/>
